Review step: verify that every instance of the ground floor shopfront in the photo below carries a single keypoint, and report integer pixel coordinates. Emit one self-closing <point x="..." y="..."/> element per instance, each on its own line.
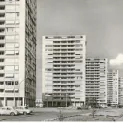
<point x="62" y="103"/>
<point x="16" y="101"/>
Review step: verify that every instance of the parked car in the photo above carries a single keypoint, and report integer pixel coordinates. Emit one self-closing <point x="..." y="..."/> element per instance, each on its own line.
<point x="23" y="110"/>
<point x="8" y="111"/>
<point x="83" y="107"/>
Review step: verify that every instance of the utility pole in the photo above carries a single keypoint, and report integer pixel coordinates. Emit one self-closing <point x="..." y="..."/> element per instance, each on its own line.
<point x="66" y="99"/>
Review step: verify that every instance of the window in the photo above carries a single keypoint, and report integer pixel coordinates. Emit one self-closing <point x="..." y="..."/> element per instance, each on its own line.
<point x="1" y="45"/>
<point x="1" y="30"/>
<point x="17" y="52"/>
<point x="10" y="29"/>
<point x="1" y="75"/>
<point x="1" y="90"/>
<point x="1" y="60"/>
<point x="1" y="83"/>
<point x="2" y="37"/>
<point x="1" y="52"/>
<point x="16" y="82"/>
<point x="9" y="91"/>
<point x="17" y="14"/>
<point x="8" y="83"/>
<point x="1" y="67"/>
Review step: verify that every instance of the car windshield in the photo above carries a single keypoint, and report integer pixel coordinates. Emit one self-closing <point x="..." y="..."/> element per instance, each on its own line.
<point x="26" y="107"/>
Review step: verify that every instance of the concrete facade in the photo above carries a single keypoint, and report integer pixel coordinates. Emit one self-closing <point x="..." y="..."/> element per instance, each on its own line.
<point x="112" y="97"/>
<point x="63" y="69"/>
<point x="17" y="52"/>
<point x="120" y="97"/>
<point x="96" y="81"/>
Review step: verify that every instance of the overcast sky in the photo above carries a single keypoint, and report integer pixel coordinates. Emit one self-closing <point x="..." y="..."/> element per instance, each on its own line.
<point x="100" y="20"/>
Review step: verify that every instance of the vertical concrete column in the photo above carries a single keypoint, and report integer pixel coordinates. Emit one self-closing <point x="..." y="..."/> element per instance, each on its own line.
<point x="4" y="104"/>
<point x="14" y="102"/>
<point x="23" y="101"/>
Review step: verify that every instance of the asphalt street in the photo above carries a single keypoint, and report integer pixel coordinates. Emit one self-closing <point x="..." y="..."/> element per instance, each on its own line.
<point x="38" y="116"/>
<point x="42" y="114"/>
<point x="45" y="114"/>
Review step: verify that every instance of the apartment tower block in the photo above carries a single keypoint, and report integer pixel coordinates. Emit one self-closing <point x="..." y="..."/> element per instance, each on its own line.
<point x="120" y="88"/>
<point x="113" y="85"/>
<point x="63" y="70"/>
<point x="96" y="81"/>
<point x="17" y="52"/>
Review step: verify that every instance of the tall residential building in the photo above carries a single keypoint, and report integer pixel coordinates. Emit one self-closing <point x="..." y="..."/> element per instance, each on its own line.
<point x="120" y="97"/>
<point x="112" y="85"/>
<point x="17" y="52"/>
<point x="96" y="81"/>
<point x="63" y="72"/>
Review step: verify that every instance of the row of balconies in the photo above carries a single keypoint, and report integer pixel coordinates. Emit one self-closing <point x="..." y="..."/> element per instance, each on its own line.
<point x="62" y="88"/>
<point x="63" y="79"/>
<point x="65" y="43"/>
<point x="9" y="86"/>
<point x="10" y="94"/>
<point x="72" y="60"/>
<point x="65" y="76"/>
<point x="63" y="91"/>
<point x="63" y="70"/>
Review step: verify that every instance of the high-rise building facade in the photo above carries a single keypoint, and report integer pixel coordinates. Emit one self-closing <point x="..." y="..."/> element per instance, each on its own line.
<point x="112" y="85"/>
<point x="17" y="52"/>
<point x="96" y="81"/>
<point x="63" y="69"/>
<point x="120" y="97"/>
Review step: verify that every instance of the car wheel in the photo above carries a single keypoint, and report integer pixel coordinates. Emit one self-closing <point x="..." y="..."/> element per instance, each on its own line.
<point x="25" y="113"/>
<point x="12" y="113"/>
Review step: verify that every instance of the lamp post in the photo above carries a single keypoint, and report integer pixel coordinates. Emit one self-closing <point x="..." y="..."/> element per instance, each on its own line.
<point x="46" y="97"/>
<point x="19" y="90"/>
<point x="66" y="99"/>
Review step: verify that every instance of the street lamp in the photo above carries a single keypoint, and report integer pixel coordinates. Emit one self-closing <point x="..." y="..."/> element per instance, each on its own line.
<point x="66" y="99"/>
<point x="46" y="97"/>
<point x="19" y="90"/>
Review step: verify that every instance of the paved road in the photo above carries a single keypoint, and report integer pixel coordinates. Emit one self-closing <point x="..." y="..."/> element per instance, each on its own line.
<point x="33" y="117"/>
<point x="42" y="114"/>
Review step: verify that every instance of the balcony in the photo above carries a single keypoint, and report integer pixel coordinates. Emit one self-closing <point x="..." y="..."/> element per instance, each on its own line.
<point x="2" y="2"/>
<point x="2" y="86"/>
<point x="2" y="94"/>
<point x="2" y="32"/>
<point x="11" y="94"/>
<point x="2" y="10"/>
<point x="2" y="16"/>
<point x="1" y="71"/>
<point x="64" y="79"/>
<point x="2" y="49"/>
<point x="2" y="25"/>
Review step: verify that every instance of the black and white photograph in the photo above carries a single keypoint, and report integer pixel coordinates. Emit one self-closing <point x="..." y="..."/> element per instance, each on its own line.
<point x="61" y="60"/>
